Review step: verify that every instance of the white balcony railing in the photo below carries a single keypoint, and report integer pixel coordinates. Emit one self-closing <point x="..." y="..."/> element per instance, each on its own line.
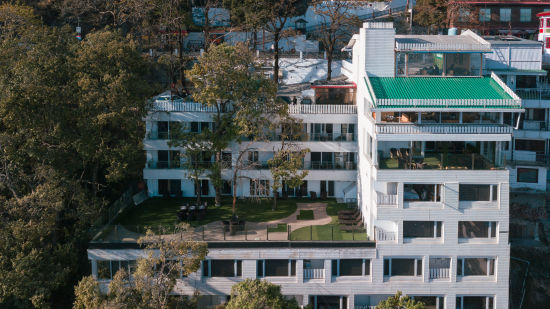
<point x="322" y="109"/>
<point x="364" y="307"/>
<point x="293" y="109"/>
<point x="382" y="235"/>
<point x="314" y="273"/>
<point x="438" y="273"/>
<point x="386" y="199"/>
<point x="382" y="128"/>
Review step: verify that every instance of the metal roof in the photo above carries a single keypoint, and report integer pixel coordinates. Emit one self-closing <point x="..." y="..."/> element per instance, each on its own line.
<point x="467" y="41"/>
<point x="441" y="92"/>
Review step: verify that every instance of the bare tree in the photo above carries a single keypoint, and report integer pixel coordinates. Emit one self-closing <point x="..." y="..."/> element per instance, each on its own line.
<point x="339" y="21"/>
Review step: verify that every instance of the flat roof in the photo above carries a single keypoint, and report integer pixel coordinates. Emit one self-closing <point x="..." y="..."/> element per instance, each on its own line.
<point x="440" y="92"/>
<point x="510" y="40"/>
<point x="466" y="42"/>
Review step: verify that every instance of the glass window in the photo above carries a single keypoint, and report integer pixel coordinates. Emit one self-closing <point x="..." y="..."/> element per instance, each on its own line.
<point x="529" y="175"/>
<point x="478" y="192"/>
<point x="402" y="267"/>
<point x="424" y="229"/>
<point x="476" y="229"/>
<point x="430" y="117"/>
<point x="422" y="192"/>
<point x="484" y="14"/>
<point x="222" y="268"/>
<point x="505" y="14"/>
<point x="463" y="15"/>
<point x="525" y="15"/>
<point x="103" y="269"/>
<point x="351" y="267"/>
<point x="277" y="268"/>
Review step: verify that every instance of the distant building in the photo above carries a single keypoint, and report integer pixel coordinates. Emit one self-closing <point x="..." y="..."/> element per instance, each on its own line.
<point x="517" y="17"/>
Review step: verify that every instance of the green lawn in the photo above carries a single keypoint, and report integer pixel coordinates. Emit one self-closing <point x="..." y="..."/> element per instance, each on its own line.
<point x="161" y="211"/>
<point x="305" y="215"/>
<point x="329" y="231"/>
<point x="281" y="227"/>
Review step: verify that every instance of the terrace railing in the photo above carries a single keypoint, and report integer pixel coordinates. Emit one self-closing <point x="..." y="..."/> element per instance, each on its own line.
<point x="382" y="235"/>
<point x="314" y="273"/>
<point x="403" y="128"/>
<point x="322" y="109"/>
<point x="385" y="199"/>
<point x="248" y="231"/>
<point x="438" y="273"/>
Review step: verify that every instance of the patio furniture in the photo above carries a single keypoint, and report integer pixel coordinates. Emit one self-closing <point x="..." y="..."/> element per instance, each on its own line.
<point x="393" y="153"/>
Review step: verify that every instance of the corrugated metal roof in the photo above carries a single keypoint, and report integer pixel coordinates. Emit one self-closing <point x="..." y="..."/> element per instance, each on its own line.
<point x="443" y="88"/>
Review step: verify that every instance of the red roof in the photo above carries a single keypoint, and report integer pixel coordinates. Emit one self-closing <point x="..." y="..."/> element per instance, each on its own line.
<point x="543" y="14"/>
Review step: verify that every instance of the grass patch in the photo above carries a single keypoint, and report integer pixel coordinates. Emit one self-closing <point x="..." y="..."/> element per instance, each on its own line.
<point x="161" y="211"/>
<point x="327" y="232"/>
<point x="305" y="215"/>
<point x="281" y="227"/>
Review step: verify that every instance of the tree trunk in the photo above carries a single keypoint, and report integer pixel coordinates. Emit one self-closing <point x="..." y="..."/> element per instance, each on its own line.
<point x="206" y="28"/>
<point x="234" y="206"/>
<point x="329" y="63"/>
<point x="276" y="38"/>
<point x="182" y="63"/>
<point x="198" y="190"/>
<point x="275" y="195"/>
<point x="217" y="187"/>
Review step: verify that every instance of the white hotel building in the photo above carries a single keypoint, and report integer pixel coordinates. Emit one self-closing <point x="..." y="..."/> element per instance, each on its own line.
<point x="422" y="149"/>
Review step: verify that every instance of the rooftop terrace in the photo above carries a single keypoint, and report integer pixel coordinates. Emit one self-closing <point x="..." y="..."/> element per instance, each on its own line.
<point x="287" y="223"/>
<point x="441" y="92"/>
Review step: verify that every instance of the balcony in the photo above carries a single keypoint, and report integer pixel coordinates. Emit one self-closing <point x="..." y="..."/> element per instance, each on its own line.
<point x="443" y="129"/>
<point x="322" y="109"/>
<point x="386" y="199"/>
<point x="332" y="137"/>
<point x="441" y="161"/>
<point x="314" y="273"/>
<point x="175" y="106"/>
<point x="439" y="273"/>
<point x="176" y="164"/>
<point x="533" y="94"/>
<point x="383" y="235"/>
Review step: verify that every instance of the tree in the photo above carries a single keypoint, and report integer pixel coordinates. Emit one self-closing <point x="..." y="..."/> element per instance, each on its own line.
<point x="272" y="15"/>
<point x="287" y="164"/>
<point x="151" y="285"/>
<point x="258" y="294"/>
<point x="441" y="14"/>
<point x="227" y="81"/>
<point x="399" y="301"/>
<point x="70" y="140"/>
<point x="338" y="23"/>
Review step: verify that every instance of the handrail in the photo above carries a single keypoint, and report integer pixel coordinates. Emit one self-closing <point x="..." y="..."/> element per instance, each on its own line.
<point x="442" y="128"/>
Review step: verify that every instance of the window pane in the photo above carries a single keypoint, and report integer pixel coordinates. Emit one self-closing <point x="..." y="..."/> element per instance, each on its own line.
<point x="402" y="267"/>
<point x="474" y="192"/>
<point x="386" y="267"/>
<point x="505" y="14"/>
<point x="351" y="267"/>
<point x="418" y="229"/>
<point x="530" y="175"/>
<point x="474" y="302"/>
<point x="473" y="229"/>
<point x="334" y="268"/>
<point x="239" y="268"/>
<point x="475" y="267"/>
<point x="222" y="268"/>
<point x="103" y="269"/>
<point x="260" y="268"/>
<point x="276" y="268"/>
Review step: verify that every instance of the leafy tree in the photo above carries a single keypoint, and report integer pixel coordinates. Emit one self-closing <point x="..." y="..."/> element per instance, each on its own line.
<point x="226" y="80"/>
<point x="338" y="23"/>
<point x="399" y="301"/>
<point x="70" y="139"/>
<point x="258" y="294"/>
<point x="287" y="163"/>
<point x="154" y="279"/>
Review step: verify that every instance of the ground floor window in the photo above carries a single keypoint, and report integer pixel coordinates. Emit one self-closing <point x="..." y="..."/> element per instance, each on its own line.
<point x="169" y="186"/>
<point x="328" y="301"/>
<point x="327" y="188"/>
<point x="474" y="302"/>
<point x="259" y="187"/>
<point x="431" y="302"/>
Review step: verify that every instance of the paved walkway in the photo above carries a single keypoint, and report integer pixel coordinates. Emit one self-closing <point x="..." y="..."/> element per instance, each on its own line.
<point x="254" y="230"/>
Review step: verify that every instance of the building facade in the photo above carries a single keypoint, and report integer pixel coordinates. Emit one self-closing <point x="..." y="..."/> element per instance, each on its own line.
<point x="426" y="150"/>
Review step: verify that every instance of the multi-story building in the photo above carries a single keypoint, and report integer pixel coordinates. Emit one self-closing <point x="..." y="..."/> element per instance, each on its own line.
<point x="423" y="150"/>
<point x="517" y="17"/>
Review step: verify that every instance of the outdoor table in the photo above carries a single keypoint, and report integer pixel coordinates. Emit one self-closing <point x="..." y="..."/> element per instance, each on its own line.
<point x="184" y="207"/>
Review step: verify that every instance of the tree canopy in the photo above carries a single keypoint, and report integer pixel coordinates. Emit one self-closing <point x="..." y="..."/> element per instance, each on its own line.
<point x="258" y="294"/>
<point x="399" y="301"/>
<point x="70" y="140"/>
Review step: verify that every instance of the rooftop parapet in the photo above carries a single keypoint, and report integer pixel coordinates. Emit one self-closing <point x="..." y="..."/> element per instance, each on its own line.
<point x="466" y="42"/>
